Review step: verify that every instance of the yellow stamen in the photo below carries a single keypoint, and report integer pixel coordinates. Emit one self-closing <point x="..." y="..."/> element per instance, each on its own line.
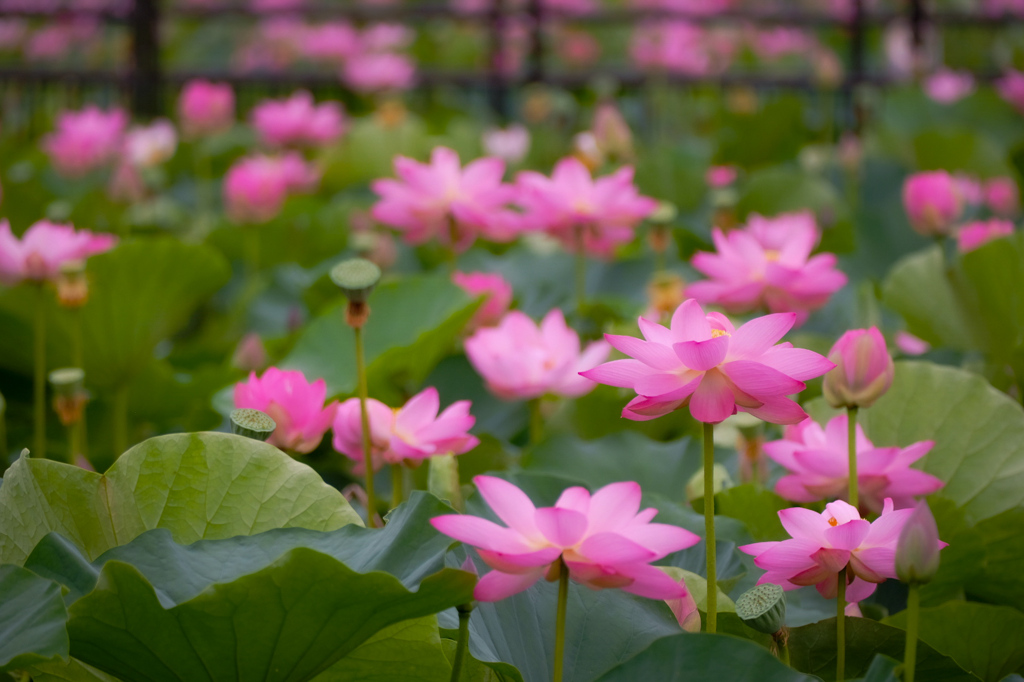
<point x="771" y="255"/>
<point x="832" y="521"/>
<point x="715" y="333"/>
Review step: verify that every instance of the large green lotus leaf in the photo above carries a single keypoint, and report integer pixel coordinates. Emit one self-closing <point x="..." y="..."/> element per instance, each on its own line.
<point x="983" y="639"/>
<point x="413" y="323"/>
<point x="978" y="433"/>
<point x="288" y="603"/>
<point x="203" y="485"/>
<point x="757" y="508"/>
<point x="960" y="149"/>
<point x="992" y="278"/>
<point x="32" y="619"/>
<point x="883" y="669"/>
<point x="141" y="293"/>
<point x="410" y="651"/>
<point x="661" y="468"/>
<point x="812" y="649"/>
<point x="478" y="671"/>
<point x="71" y="671"/>
<point x="702" y="657"/>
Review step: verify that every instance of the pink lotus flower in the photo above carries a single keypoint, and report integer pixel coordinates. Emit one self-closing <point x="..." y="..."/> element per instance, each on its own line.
<point x="520" y="360"/>
<point x="443" y="201"/>
<point x="386" y="37"/>
<point x="823" y="544"/>
<point x="674" y="46"/>
<point x="1011" y="88"/>
<point x="379" y="72"/>
<point x="256" y="187"/>
<point x="720" y="176"/>
<point x="864" y="370"/>
<point x="911" y="345"/>
<point x="297" y="121"/>
<point x="775" y="43"/>
<point x="933" y="202"/>
<point x="604" y="540"/>
<point x="981" y="232"/>
<point x="768" y="264"/>
<point x="685" y="610"/>
<point x="408" y="434"/>
<point x="44" y="247"/>
<point x="152" y="145"/>
<point x="85" y="140"/>
<point x="819" y="466"/>
<point x="510" y="144"/>
<point x="581" y="211"/>
<point x="946" y="86"/>
<point x="293" y="402"/>
<point x="917" y="550"/>
<point x="206" y="108"/>
<point x="333" y="42"/>
<point x="1002" y="197"/>
<point x="497" y="290"/>
<point x="703" y="362"/>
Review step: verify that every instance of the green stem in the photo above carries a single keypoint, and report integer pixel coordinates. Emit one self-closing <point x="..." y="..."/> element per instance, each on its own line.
<point x="536" y="422"/>
<point x="851" y="449"/>
<point x="913" y="614"/>
<point x="39" y="395"/>
<point x="784" y="653"/>
<point x="120" y="420"/>
<point x="77" y="355"/>
<point x="581" y="271"/>
<point x="73" y="446"/>
<point x="252" y="261"/>
<point x="371" y="502"/>
<point x="841" y="627"/>
<point x="397" y="485"/>
<point x="709" y="525"/>
<point x="563" y="600"/>
<point x="465" y="611"/>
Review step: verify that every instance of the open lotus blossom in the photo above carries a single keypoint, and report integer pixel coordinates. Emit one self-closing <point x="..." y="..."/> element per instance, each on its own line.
<point x="768" y="265"/>
<point x="148" y="146"/>
<point x="293" y="402"/>
<point x="206" y="108"/>
<point x="1002" y="196"/>
<point x="933" y="200"/>
<point x="818" y="463"/>
<point x="256" y="187"/>
<point x="520" y="360"/>
<point x="580" y="211"/>
<point x="703" y="362"/>
<point x="408" y="434"/>
<point x="85" y="140"/>
<point x="823" y="544"/>
<point x="44" y="248"/>
<point x="720" y="176"/>
<point x="974" y="235"/>
<point x="379" y="72"/>
<point x="498" y="294"/>
<point x="947" y="86"/>
<point x="444" y="201"/>
<point x="1011" y="88"/>
<point x="298" y="121"/>
<point x="604" y="540"/>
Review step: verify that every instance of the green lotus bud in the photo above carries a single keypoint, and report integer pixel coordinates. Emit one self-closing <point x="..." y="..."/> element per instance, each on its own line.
<point x="763" y="608"/>
<point x="252" y="424"/>
<point x="356" y="277"/>
<point x="721" y="480"/>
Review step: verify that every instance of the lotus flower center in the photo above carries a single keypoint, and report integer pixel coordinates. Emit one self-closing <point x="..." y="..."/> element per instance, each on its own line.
<point x="832" y="522"/>
<point x="771" y="255"/>
<point x="715" y="333"/>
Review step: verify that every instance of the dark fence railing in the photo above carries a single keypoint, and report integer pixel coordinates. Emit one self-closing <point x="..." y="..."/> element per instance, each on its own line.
<point x="145" y="78"/>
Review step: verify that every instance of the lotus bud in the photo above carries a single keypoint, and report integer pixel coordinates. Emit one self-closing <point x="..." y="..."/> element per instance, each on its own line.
<point x="763" y="608"/>
<point x="685" y="611"/>
<point x="933" y="202"/>
<point x="250" y="355"/>
<point x="69" y="397"/>
<point x="443" y="479"/>
<point x="356" y="278"/>
<point x="72" y="284"/>
<point x="252" y="424"/>
<point x="721" y="480"/>
<point x="917" y="550"/>
<point x="863" y="372"/>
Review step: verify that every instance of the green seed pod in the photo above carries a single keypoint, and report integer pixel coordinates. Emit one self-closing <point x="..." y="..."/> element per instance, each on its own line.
<point x="665" y="213"/>
<point x="67" y="381"/>
<point x="763" y="608"/>
<point x="356" y="277"/>
<point x="252" y="424"/>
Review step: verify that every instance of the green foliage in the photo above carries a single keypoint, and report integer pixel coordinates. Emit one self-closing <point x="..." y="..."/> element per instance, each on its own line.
<point x="31" y="619"/>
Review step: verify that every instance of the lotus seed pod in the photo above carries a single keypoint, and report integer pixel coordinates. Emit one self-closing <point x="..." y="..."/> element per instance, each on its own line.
<point x="356" y="277"/>
<point x="763" y="608"/>
<point x="721" y="480"/>
<point x="67" y="381"/>
<point x="252" y="424"/>
<point x="72" y="284"/>
<point x="665" y="213"/>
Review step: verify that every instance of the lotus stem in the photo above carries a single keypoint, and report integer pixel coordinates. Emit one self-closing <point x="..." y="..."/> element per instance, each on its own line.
<point x="913" y="616"/>
<point x="465" y="611"/>
<point x="851" y="420"/>
<point x="709" y="525"/>
<point x="841" y="627"/>
<point x="536" y="422"/>
<point x="371" y="502"/>
<point x="563" y="600"/>
<point x="39" y="377"/>
<point x="120" y="420"/>
<point x="397" y="485"/>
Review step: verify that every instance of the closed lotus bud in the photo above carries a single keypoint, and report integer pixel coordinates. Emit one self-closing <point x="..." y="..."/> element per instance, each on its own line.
<point x="863" y="371"/>
<point x="917" y="550"/>
<point x="763" y="608"/>
<point x="933" y="202"/>
<point x="250" y="355"/>
<point x="252" y="424"/>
